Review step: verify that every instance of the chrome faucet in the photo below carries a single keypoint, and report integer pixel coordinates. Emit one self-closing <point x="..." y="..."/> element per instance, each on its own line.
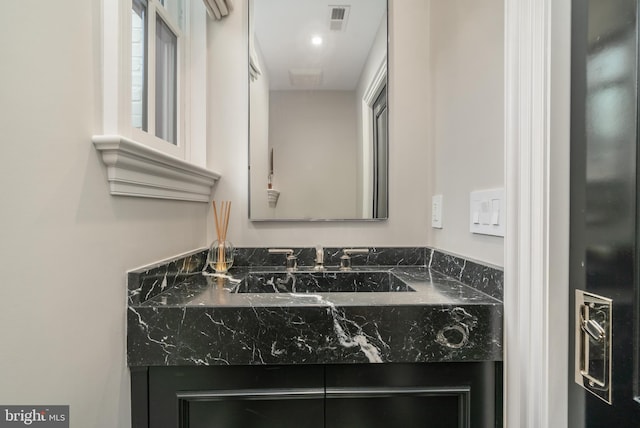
<point x="345" y="259"/>
<point x="292" y="261"/>
<point x="319" y="258"/>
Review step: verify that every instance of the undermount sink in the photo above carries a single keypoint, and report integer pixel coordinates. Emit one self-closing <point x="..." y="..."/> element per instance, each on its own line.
<point x="321" y="282"/>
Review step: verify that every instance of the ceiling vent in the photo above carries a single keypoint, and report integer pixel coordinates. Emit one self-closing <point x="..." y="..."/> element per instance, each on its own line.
<point x="338" y="16"/>
<point x="305" y="78"/>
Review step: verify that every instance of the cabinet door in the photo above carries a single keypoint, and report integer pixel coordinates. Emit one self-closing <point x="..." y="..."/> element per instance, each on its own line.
<point x="434" y="395"/>
<point x="402" y="407"/>
<point x="236" y="397"/>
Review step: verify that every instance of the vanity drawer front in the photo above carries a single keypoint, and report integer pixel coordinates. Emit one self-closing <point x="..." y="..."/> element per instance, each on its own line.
<point x="235" y="396"/>
<point x="266" y="408"/>
<point x="448" y="395"/>
<point x="404" y="407"/>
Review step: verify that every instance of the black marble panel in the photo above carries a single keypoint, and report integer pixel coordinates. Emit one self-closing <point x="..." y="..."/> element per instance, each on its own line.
<point x="255" y="257"/>
<point x="319" y="282"/>
<point x="313" y="335"/>
<point x="488" y="279"/>
<point x="177" y="316"/>
<point x="379" y="256"/>
<point x="146" y="283"/>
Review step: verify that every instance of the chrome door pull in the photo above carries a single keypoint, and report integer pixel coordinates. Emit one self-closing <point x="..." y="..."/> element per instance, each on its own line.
<point x="593" y="343"/>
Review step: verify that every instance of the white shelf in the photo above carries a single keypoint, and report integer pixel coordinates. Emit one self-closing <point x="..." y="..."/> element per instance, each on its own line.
<point x="273" y="196"/>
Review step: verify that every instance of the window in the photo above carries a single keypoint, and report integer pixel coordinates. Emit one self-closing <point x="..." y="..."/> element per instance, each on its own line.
<point x="166" y="82"/>
<point x="139" y="65"/>
<point x="157" y="64"/>
<point x="153" y="136"/>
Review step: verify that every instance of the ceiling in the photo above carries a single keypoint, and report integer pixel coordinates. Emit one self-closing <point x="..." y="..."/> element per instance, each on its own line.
<point x="283" y="31"/>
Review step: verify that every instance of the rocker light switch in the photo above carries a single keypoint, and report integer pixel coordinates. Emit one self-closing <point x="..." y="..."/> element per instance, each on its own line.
<point x="495" y="212"/>
<point x="436" y="211"/>
<point x="485" y="212"/>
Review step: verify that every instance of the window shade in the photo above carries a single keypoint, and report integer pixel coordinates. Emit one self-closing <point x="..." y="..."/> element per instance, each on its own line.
<point x="218" y="9"/>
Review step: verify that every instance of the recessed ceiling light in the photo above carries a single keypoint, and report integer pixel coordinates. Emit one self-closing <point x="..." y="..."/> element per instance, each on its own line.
<point x="316" y="40"/>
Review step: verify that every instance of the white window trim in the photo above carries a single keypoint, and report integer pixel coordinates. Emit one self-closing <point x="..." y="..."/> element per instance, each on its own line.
<point x="537" y="113"/>
<point x="134" y="169"/>
<point x="123" y="148"/>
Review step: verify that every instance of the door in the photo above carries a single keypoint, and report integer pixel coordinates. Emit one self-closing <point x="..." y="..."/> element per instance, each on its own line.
<point x="380" y="155"/>
<point x="603" y="362"/>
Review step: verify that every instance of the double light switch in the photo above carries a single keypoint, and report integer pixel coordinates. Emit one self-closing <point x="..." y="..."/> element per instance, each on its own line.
<point x="487" y="212"/>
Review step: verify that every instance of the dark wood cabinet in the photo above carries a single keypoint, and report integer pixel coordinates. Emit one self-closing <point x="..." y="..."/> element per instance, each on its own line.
<point x="448" y="395"/>
<point x="403" y="407"/>
<point x="253" y="408"/>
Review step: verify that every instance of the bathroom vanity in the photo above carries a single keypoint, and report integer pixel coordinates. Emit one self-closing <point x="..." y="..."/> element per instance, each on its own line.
<point x="405" y="336"/>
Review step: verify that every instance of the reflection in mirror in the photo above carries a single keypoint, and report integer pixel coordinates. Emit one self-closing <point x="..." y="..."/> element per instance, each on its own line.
<point x="318" y="134"/>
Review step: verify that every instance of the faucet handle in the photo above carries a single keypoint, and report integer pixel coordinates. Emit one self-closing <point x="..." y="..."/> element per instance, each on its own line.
<point x="319" y="258"/>
<point x="345" y="259"/>
<point x="292" y="261"/>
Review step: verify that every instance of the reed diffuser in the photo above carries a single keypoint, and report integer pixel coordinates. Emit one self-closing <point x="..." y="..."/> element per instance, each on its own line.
<point x="220" y="257"/>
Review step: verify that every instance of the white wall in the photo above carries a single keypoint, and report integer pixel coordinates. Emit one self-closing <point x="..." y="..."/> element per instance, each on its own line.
<point x="446" y="129"/>
<point x="409" y="159"/>
<point x="65" y="243"/>
<point x="467" y="117"/>
<point x="313" y="135"/>
<point x="259" y="129"/>
<point x="559" y="188"/>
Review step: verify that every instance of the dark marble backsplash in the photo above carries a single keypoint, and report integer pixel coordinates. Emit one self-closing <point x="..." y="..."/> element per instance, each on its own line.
<point x="484" y="278"/>
<point x="379" y="256"/>
<point x="148" y="282"/>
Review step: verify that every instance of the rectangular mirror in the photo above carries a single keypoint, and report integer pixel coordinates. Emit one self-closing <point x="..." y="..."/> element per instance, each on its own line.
<point x="318" y="134"/>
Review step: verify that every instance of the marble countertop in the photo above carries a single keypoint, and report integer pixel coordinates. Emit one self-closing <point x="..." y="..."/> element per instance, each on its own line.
<point x="195" y="319"/>
<point x="214" y="291"/>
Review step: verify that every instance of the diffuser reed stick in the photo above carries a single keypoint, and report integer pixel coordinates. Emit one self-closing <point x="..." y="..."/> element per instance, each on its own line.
<point x="222" y="224"/>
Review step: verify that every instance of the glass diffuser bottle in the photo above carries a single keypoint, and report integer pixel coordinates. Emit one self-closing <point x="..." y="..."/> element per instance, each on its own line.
<point x="220" y="257"/>
<point x="221" y="251"/>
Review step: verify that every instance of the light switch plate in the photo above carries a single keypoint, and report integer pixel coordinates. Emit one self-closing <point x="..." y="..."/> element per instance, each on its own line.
<point x="436" y="211"/>
<point x="486" y="212"/>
